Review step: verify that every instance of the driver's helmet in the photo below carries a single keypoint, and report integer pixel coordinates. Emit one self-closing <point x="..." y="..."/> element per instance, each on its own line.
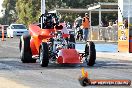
<point x="48" y="21"/>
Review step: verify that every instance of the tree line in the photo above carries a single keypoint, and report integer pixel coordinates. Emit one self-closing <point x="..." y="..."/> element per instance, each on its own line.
<point x="28" y="11"/>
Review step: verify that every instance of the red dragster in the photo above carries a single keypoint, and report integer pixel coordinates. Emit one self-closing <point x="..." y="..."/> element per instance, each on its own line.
<point x="48" y="42"/>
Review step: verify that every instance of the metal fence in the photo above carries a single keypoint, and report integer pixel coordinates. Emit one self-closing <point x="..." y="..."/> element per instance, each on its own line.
<point x="109" y="33"/>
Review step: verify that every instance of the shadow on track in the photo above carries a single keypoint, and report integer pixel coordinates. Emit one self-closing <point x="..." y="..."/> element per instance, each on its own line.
<point x="16" y="64"/>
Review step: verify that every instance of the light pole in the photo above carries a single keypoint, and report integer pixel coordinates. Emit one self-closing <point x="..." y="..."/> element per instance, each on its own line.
<point x="41" y="21"/>
<point x="42" y="7"/>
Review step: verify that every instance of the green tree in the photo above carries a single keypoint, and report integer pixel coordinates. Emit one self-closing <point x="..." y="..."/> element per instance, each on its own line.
<point x="28" y="11"/>
<point x="10" y="12"/>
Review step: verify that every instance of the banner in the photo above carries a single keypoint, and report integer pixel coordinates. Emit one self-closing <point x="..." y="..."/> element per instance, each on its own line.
<point x="123" y="38"/>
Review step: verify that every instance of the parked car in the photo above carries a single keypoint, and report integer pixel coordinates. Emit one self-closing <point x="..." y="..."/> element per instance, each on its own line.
<point x="16" y="30"/>
<point x="5" y="31"/>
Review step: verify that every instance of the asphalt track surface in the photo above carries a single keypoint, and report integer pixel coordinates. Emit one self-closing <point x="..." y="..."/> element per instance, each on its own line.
<point x="31" y="75"/>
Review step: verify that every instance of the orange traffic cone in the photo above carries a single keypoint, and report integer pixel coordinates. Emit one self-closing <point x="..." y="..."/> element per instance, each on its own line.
<point x="2" y="33"/>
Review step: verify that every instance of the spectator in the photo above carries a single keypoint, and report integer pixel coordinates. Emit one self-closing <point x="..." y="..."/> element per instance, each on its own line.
<point x="104" y="23"/>
<point x="86" y="26"/>
<point x="79" y="31"/>
<point x="125" y="22"/>
<point x="78" y="21"/>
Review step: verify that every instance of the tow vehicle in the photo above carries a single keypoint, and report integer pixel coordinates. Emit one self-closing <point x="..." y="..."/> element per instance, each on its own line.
<point x="47" y="42"/>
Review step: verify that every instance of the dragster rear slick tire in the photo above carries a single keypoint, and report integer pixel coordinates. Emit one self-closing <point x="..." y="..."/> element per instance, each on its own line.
<point x="25" y="50"/>
<point x="90" y="52"/>
<point x="44" y="54"/>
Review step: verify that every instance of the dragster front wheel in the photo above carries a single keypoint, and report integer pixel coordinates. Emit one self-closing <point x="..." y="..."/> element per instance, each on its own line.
<point x="90" y="53"/>
<point x="44" y="55"/>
